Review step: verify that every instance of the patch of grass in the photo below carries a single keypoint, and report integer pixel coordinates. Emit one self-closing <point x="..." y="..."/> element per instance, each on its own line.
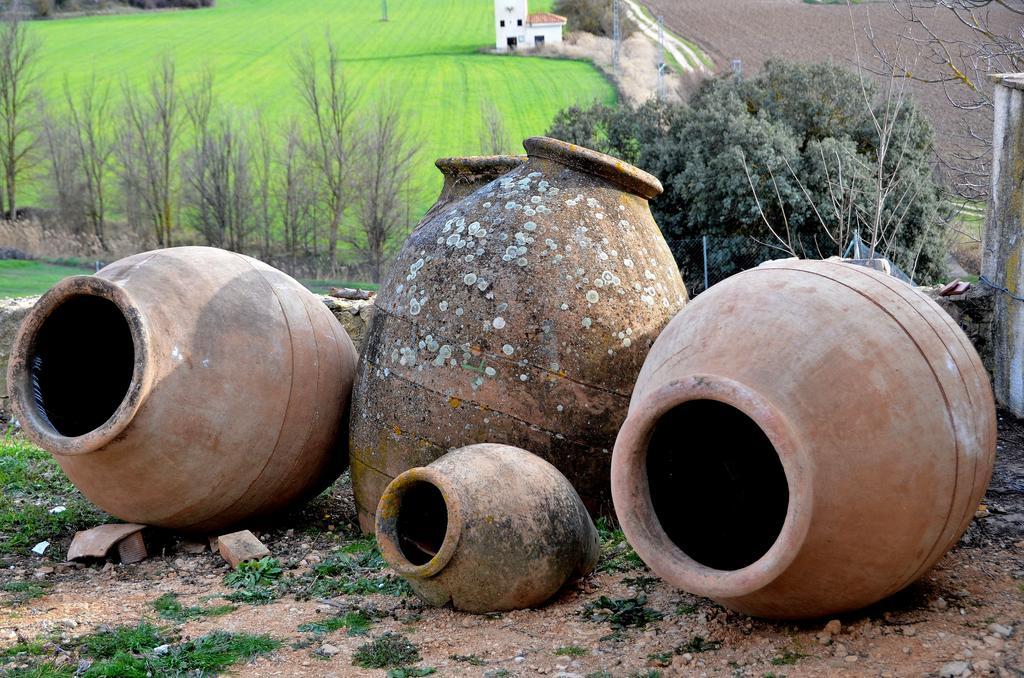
<point x="44" y="670"/>
<point x="357" y="623"/>
<point x="31" y="483"/>
<point x="137" y="639"/>
<point x="616" y="553"/>
<point x="28" y="277"/>
<point x="643" y="584"/>
<point x="410" y="672"/>
<point x="788" y="657"/>
<point x="387" y="651"/>
<point x="255" y="581"/>
<point x="572" y="651"/>
<point x="470" y="659"/>
<point x="354" y="569"/>
<point x="169" y="607"/>
<point x="32" y="648"/>
<point x="660" y="658"/>
<point x="621" y="613"/>
<point x="215" y="652"/>
<point x="23" y="591"/>
<point x="698" y="644"/>
<point x="685" y="608"/>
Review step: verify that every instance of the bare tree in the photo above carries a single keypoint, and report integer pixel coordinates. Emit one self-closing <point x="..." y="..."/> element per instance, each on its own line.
<point x="383" y="182"/>
<point x="330" y="103"/>
<point x="19" y="52"/>
<point x="263" y="158"/>
<point x="218" y="191"/>
<point x="64" y="165"/>
<point x="960" y="66"/>
<point x="94" y="141"/>
<point x="296" y="199"/>
<point x="866" y="194"/>
<point x="148" y="150"/>
<point x="494" y="138"/>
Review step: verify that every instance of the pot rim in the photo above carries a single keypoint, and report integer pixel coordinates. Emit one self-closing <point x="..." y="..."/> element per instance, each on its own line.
<point x="34" y="422"/>
<point x="474" y="165"/>
<point x="611" y="169"/>
<point x="635" y="510"/>
<point x="386" y="522"/>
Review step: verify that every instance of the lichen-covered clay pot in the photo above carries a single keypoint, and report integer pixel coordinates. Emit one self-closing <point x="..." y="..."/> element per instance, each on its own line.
<point x="188" y="388"/>
<point x="465" y="174"/>
<point x="522" y="314"/>
<point x="486" y="528"/>
<point x="805" y="438"/>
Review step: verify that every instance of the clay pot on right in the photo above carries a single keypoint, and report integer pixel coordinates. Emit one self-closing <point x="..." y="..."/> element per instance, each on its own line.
<point x="805" y="438"/>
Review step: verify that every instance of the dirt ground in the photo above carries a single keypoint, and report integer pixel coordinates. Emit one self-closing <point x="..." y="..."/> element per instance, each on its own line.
<point x="963" y="618"/>
<point x="756" y="30"/>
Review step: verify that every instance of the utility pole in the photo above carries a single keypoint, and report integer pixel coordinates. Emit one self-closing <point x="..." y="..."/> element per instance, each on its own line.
<point x="383" y="10"/>
<point x="616" y="36"/>
<point x="661" y="59"/>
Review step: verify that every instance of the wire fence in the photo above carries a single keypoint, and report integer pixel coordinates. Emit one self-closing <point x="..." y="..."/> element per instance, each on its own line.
<point x="706" y="260"/>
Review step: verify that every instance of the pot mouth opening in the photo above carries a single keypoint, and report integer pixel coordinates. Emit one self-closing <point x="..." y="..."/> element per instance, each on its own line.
<point x="711" y="486"/>
<point x="717" y="485"/>
<point x="80" y="366"/>
<point x="422" y="522"/>
<point x="617" y="172"/>
<point x="81" y="362"/>
<point x="418" y="523"/>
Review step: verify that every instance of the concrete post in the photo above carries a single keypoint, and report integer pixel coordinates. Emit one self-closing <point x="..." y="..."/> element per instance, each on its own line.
<point x="1002" y="264"/>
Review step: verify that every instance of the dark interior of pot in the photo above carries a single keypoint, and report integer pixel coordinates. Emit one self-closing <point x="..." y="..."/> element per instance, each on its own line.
<point x="81" y="364"/>
<point x="717" y="484"/>
<point x="422" y="522"/>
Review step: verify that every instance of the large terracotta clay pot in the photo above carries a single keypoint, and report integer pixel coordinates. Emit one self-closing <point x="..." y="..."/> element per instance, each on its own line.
<point x="188" y="388"/>
<point x="805" y="438"/>
<point x="486" y="528"/>
<point x="519" y="314"/>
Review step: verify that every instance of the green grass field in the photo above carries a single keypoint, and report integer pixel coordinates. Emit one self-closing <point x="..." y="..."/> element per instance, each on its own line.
<point x="20" y="278"/>
<point x="428" y="53"/>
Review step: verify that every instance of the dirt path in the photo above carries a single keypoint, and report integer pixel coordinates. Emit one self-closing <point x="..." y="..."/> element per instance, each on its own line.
<point x="685" y="56"/>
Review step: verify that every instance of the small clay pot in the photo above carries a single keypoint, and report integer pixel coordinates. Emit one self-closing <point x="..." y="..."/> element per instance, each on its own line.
<point x="805" y="438"/>
<point x="189" y="388"/>
<point x="487" y="528"/>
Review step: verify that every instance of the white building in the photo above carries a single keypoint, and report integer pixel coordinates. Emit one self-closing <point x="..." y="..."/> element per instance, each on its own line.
<point x="516" y="28"/>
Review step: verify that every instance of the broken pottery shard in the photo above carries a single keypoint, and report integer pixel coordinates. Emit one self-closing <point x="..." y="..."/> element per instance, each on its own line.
<point x="98" y="541"/>
<point x="132" y="549"/>
<point x="239" y="547"/>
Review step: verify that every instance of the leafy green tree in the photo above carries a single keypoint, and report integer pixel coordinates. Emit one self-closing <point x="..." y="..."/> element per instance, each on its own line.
<point x="799" y="159"/>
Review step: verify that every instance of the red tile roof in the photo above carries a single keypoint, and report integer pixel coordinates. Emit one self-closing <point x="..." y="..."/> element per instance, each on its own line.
<point x="545" y="18"/>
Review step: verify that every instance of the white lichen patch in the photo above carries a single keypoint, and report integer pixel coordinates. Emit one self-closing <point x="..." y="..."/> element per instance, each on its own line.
<point x="498" y="323"/>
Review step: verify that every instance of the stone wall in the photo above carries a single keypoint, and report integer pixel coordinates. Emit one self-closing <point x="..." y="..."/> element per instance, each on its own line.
<point x="973" y="312"/>
<point x="354" y="315"/>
